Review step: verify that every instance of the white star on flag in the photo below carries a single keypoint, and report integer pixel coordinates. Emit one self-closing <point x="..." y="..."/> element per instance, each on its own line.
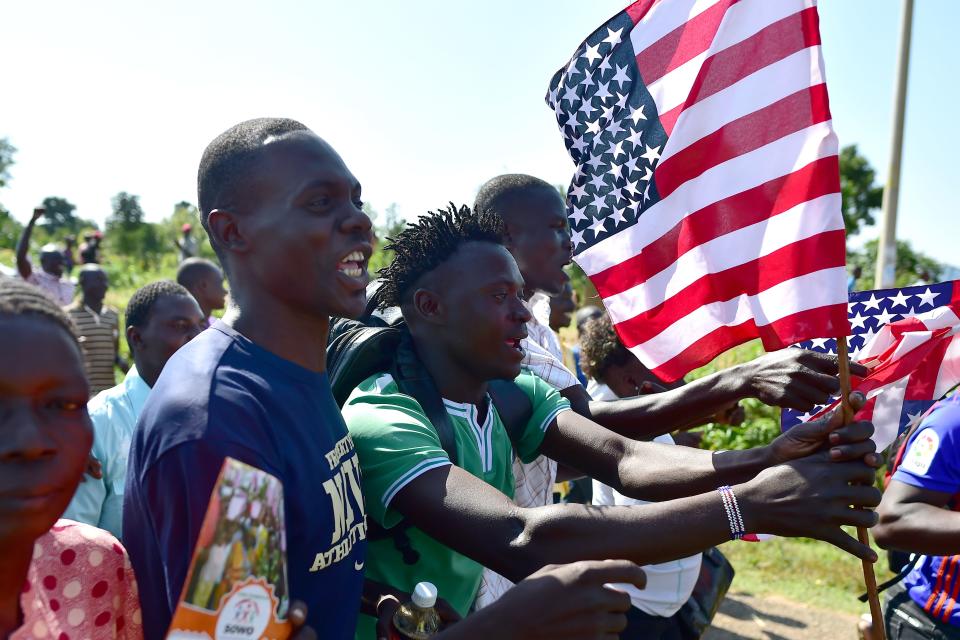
<point x="637" y="115"/>
<point x="926" y="298"/>
<point x="872" y="303"/>
<point x="899" y="299"/>
<point x="884" y="317"/>
<point x="576" y="237"/>
<point x="577" y="216"/>
<point x="621" y="76"/>
<point x="598" y="226"/>
<point x="858" y="321"/>
<point x="613" y="37"/>
<point x="618" y="216"/>
<point x="591" y="54"/>
<point x="651" y="155"/>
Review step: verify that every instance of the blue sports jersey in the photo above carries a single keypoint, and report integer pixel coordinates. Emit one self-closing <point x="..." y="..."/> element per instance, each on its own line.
<point x="932" y="461"/>
<point x="222" y="395"/>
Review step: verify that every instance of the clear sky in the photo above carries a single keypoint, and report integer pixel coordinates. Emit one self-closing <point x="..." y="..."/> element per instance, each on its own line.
<point x="423" y="99"/>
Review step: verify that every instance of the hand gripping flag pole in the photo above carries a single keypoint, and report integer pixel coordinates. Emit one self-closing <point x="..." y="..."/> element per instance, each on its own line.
<point x="869" y="577"/>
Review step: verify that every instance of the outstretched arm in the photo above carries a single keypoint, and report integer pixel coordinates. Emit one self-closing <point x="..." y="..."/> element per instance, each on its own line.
<point x="808" y="497"/>
<point x="794" y="378"/>
<point x="913" y="519"/>
<point x="23" y="245"/>
<point x="653" y="471"/>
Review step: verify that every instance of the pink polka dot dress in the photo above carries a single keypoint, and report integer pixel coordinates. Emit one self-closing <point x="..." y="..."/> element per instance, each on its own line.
<point x="80" y="587"/>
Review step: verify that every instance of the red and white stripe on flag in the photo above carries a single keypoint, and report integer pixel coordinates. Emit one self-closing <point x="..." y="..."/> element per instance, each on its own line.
<point x="747" y="240"/>
<point x="918" y="356"/>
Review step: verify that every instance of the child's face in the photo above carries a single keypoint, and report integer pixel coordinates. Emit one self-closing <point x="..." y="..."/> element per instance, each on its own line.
<point x="45" y="432"/>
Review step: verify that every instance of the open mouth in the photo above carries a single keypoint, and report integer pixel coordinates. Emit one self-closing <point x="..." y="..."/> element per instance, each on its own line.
<point x="514" y="343"/>
<point x="354" y="265"/>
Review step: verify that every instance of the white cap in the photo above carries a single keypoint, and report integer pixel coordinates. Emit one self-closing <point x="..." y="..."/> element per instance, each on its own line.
<point x="424" y="595"/>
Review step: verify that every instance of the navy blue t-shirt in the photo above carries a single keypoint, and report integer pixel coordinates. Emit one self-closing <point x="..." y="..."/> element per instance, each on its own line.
<point x="222" y="395"/>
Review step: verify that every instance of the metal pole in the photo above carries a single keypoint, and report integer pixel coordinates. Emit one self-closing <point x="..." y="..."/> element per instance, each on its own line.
<point x="887" y="245"/>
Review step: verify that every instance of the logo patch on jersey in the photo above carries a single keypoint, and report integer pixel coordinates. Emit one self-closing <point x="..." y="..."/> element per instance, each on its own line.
<point x="921" y="453"/>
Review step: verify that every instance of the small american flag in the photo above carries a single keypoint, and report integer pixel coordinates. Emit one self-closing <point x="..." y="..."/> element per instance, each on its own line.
<point x="908" y="339"/>
<point x="705" y="206"/>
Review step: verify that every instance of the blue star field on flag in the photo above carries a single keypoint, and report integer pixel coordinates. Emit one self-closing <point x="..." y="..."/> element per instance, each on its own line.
<point x="868" y="312"/>
<point x="611" y="130"/>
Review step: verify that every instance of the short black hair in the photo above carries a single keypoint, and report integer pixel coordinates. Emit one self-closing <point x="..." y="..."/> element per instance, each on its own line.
<point x="141" y="303"/>
<point x="192" y="270"/>
<point x="21" y="299"/>
<point x="427" y="243"/>
<point x="600" y="348"/>
<point x="228" y="161"/>
<point x="496" y="192"/>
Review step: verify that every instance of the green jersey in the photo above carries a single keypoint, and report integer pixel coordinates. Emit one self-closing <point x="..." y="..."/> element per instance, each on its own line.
<point x="395" y="444"/>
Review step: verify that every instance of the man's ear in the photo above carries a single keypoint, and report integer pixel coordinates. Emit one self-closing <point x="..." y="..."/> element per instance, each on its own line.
<point x="134" y="339"/>
<point x="428" y="306"/>
<point x="225" y="231"/>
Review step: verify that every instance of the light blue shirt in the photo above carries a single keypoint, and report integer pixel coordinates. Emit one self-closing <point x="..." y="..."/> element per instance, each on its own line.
<point x="114" y="413"/>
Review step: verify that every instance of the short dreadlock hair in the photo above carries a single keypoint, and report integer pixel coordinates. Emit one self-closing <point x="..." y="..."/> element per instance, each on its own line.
<point x="229" y="161"/>
<point x="600" y="348"/>
<point x="495" y="193"/>
<point x="141" y="303"/>
<point x="21" y="299"/>
<point x="429" y="242"/>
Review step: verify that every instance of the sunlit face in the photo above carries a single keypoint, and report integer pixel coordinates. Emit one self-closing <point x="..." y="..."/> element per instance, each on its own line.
<point x="309" y="239"/>
<point x="484" y="316"/>
<point x="45" y="432"/>
<point x="539" y="239"/>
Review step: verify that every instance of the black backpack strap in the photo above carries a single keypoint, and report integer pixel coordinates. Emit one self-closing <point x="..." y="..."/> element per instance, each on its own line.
<point x="513" y="406"/>
<point x="413" y="379"/>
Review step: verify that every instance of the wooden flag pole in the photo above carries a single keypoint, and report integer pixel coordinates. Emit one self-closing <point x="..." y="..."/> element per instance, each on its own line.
<point x="869" y="577"/>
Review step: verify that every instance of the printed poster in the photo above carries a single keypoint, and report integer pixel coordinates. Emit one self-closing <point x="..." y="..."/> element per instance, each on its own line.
<point x="236" y="588"/>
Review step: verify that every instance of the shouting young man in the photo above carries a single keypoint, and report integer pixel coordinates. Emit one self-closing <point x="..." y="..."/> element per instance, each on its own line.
<point x="460" y="292"/>
<point x="283" y="213"/>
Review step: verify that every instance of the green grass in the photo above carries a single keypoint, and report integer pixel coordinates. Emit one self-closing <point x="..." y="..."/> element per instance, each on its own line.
<point x="803" y="570"/>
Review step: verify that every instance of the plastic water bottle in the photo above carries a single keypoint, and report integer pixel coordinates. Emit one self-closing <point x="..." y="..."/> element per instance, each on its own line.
<point x="418" y="619"/>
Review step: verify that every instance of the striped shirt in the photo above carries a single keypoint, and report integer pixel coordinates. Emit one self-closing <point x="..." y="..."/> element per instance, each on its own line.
<point x="98" y="339"/>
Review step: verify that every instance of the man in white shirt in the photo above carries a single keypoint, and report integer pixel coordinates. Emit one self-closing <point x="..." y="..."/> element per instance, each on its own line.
<point x="161" y="317"/>
<point x="50" y="276"/>
<point x="613" y="372"/>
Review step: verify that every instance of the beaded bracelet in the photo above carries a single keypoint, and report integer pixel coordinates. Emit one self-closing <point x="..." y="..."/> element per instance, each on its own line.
<point x="732" y="508"/>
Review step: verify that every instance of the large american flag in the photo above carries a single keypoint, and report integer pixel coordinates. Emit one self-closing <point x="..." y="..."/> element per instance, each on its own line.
<point x="705" y="206"/>
<point x="908" y="338"/>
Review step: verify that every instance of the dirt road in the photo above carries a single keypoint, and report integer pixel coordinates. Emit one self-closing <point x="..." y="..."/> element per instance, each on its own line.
<point x="746" y="617"/>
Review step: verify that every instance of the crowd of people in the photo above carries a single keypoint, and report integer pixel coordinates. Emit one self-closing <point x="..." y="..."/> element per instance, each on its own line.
<point x="440" y="462"/>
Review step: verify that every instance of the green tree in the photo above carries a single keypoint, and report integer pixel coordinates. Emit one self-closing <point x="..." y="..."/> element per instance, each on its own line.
<point x="6" y="160"/>
<point x="389" y="226"/>
<point x="10" y="229"/>
<point x="60" y="216"/>
<point x="910" y="264"/>
<point x="859" y="195"/>
<point x="128" y="234"/>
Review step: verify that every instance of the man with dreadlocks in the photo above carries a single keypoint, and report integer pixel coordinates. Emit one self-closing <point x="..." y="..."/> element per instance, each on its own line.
<point x="459" y="290"/>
